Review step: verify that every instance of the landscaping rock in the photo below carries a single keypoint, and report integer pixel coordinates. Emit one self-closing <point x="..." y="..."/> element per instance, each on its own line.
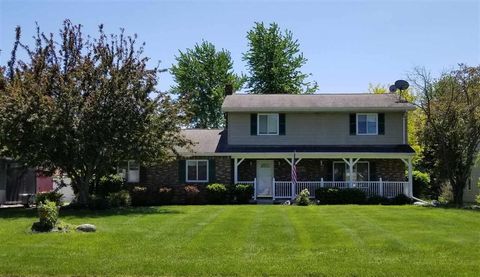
<point x="86" y="228"/>
<point x="435" y="203"/>
<point x="423" y="204"/>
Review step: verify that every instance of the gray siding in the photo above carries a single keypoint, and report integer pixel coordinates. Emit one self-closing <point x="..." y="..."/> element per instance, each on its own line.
<point x="314" y="129"/>
<point x="470" y="195"/>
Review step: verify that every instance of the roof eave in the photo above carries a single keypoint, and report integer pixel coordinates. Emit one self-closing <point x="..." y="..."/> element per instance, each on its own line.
<point x="314" y="109"/>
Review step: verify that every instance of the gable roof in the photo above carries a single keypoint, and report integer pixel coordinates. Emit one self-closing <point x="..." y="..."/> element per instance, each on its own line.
<point x="314" y="102"/>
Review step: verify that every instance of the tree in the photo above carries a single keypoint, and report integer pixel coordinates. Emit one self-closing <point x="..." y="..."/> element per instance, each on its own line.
<point x="377" y="88"/>
<point x="83" y="105"/>
<point x="451" y="134"/>
<point x="274" y="61"/>
<point x="201" y="75"/>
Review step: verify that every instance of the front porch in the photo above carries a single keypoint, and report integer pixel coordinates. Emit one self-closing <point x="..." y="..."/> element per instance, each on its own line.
<point x="376" y="175"/>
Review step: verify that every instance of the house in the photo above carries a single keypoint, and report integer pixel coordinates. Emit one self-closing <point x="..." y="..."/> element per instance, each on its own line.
<point x="15" y="180"/>
<point x="472" y="190"/>
<point x="332" y="140"/>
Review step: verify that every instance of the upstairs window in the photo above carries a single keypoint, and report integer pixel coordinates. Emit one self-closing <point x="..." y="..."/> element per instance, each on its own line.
<point x="367" y="124"/>
<point x="197" y="171"/>
<point x="268" y="124"/>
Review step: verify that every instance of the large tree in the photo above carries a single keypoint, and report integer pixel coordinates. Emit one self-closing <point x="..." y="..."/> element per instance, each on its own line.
<point x="274" y="61"/>
<point x="83" y="105"/>
<point x="201" y="75"/>
<point x="451" y="134"/>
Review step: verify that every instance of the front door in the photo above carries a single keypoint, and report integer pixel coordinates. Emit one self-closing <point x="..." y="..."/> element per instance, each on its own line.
<point x="264" y="178"/>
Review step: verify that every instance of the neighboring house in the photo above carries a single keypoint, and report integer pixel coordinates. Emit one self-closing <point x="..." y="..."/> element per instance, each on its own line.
<point x="15" y="181"/>
<point x="338" y="140"/>
<point x="472" y="190"/>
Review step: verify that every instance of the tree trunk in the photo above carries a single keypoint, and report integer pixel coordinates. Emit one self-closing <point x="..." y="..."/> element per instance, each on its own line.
<point x="82" y="184"/>
<point x="458" y="194"/>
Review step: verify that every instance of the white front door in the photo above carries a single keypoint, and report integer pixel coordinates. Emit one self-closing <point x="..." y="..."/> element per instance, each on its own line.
<point x="264" y="178"/>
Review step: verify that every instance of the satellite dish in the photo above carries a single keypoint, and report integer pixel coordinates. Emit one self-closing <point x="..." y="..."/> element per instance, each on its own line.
<point x="402" y="84"/>
<point x="392" y="88"/>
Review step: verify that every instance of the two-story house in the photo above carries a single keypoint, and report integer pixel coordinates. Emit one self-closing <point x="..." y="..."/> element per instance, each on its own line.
<point x="327" y="140"/>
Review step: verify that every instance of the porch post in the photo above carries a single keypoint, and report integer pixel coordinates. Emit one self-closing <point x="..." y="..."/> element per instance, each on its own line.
<point x="235" y="170"/>
<point x="293" y="185"/>
<point x="350" y="168"/>
<point x="410" y="179"/>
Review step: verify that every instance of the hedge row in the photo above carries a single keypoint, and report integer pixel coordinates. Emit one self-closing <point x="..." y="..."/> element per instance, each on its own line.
<point x="331" y="196"/>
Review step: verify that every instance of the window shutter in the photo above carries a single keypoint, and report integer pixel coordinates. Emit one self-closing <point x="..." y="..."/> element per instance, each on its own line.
<point x="353" y="124"/>
<point x="253" y="124"/>
<point x="381" y="124"/>
<point x="181" y="172"/>
<point x="281" y="124"/>
<point x="373" y="171"/>
<point x="211" y="171"/>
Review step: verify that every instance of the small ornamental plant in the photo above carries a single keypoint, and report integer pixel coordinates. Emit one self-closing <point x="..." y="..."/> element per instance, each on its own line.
<point x="48" y="216"/>
<point x="303" y="198"/>
<point x="192" y="194"/>
<point x="216" y="193"/>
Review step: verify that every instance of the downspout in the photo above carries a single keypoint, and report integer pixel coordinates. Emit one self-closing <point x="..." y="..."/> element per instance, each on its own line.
<point x="404" y="134"/>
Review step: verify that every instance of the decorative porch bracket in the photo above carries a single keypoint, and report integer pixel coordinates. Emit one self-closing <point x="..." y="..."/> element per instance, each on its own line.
<point x="351" y="163"/>
<point x="408" y="163"/>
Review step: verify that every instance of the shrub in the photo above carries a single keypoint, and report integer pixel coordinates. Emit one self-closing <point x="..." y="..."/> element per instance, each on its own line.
<point x="192" y="194"/>
<point x="420" y="183"/>
<point x="140" y="196"/>
<point x="109" y="184"/>
<point x="303" y="198"/>
<point x="48" y="216"/>
<point x="378" y="200"/>
<point x="478" y="199"/>
<point x="446" y="194"/>
<point x="401" y="199"/>
<point x="119" y="199"/>
<point x="243" y="193"/>
<point x="98" y="202"/>
<point x="216" y="193"/>
<point x="52" y="196"/>
<point x="340" y="196"/>
<point x="165" y="195"/>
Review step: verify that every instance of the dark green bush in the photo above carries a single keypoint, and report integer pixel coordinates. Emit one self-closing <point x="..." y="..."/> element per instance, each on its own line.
<point x="165" y="195"/>
<point x="98" y="202"/>
<point x="52" y="196"/>
<point x="243" y="193"/>
<point x="119" y="199"/>
<point x="216" y="193"/>
<point x="48" y="216"/>
<point x="192" y="194"/>
<point x="421" y="183"/>
<point x="303" y="198"/>
<point x="401" y="199"/>
<point x="340" y="196"/>
<point x="378" y="200"/>
<point x="109" y="184"/>
<point x="140" y="196"/>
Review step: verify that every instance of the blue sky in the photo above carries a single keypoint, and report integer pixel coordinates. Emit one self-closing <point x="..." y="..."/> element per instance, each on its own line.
<point x="349" y="44"/>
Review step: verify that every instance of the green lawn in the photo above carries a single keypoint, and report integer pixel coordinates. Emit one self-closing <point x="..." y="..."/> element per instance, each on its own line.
<point x="248" y="240"/>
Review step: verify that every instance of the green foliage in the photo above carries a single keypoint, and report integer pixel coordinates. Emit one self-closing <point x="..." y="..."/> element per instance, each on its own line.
<point x="216" y="193"/>
<point x="451" y="134"/>
<point x="98" y="202"/>
<point x="201" y="75"/>
<point x="165" y="195"/>
<point x="109" y="184"/>
<point x="51" y="196"/>
<point x="340" y="196"/>
<point x="48" y="216"/>
<point x="446" y="194"/>
<point x="274" y="61"/>
<point x="243" y="193"/>
<point x="140" y="196"/>
<point x="421" y="183"/>
<point x="119" y="199"/>
<point x="378" y="200"/>
<point x="192" y="194"/>
<point x="84" y="105"/>
<point x="401" y="199"/>
<point x="303" y="198"/>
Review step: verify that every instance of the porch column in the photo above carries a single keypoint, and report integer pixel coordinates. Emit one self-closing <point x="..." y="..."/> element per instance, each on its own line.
<point x="350" y="169"/>
<point x="293" y="185"/>
<point x="410" y="179"/>
<point x="236" y="163"/>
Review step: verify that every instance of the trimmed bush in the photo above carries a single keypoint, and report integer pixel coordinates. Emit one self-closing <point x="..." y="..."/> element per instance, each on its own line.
<point x="303" y="198"/>
<point x="165" y="195"/>
<point x="48" y="216"/>
<point x="98" y="202"/>
<point x="378" y="200"/>
<point x="340" y="196"/>
<point x="119" y="199"/>
<point x="52" y="196"/>
<point x="216" y="193"/>
<point x="109" y="184"/>
<point x="420" y="183"/>
<point x="243" y="193"/>
<point x="192" y="194"/>
<point x="401" y="199"/>
<point x="140" y="196"/>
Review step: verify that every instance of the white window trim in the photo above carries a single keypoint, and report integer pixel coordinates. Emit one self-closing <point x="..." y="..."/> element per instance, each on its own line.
<point x="367" y="134"/>
<point x="128" y="172"/>
<point x="258" y="124"/>
<point x="196" y="181"/>
<point x="346" y="169"/>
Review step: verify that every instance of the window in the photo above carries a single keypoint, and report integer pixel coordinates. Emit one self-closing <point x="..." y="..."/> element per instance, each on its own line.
<point x="367" y="124"/>
<point x="197" y="170"/>
<point x="267" y="124"/>
<point x="130" y="171"/>
<point x="341" y="172"/>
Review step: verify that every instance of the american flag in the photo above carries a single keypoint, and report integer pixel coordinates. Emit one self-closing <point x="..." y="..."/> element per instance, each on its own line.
<point x="294" y="172"/>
